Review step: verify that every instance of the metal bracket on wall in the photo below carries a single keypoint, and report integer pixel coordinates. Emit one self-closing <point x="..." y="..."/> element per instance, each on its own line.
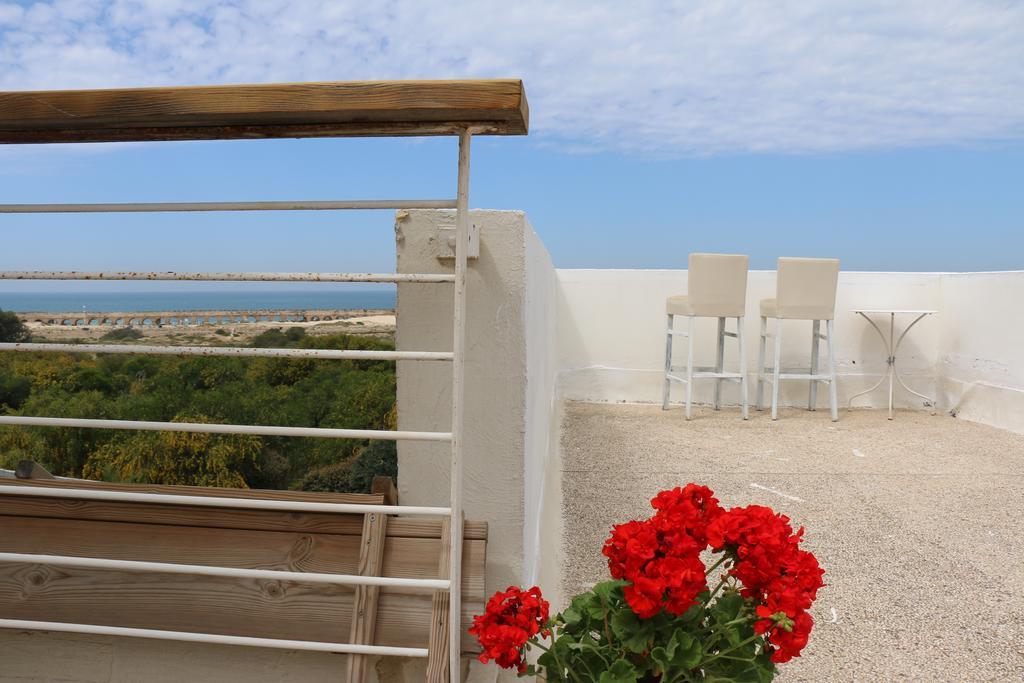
<point x="444" y="242"/>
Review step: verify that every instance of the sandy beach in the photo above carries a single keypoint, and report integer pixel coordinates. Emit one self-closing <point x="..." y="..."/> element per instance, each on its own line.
<point x="369" y="322"/>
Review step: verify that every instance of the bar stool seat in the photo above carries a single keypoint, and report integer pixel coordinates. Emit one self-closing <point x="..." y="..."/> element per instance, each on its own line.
<point x="770" y="309"/>
<point x="717" y="286"/>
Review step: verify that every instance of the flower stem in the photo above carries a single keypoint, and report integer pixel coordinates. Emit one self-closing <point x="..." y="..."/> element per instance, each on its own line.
<point x="716" y="565"/>
<point x="713" y="593"/>
<point x="746" y="642"/>
<point x="562" y="669"/>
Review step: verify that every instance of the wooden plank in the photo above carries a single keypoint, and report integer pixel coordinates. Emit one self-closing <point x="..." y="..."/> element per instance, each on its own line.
<point x="147" y="513"/>
<point x="385" y="486"/>
<point x="408" y="548"/>
<point x="413" y="558"/>
<point x="269" y="609"/>
<point x="199" y="604"/>
<point x="257" y="608"/>
<point x="437" y="657"/>
<point x="282" y="550"/>
<point x="379" y="108"/>
<point x="364" y="617"/>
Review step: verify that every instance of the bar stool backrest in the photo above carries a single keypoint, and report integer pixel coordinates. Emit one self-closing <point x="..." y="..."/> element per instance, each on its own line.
<point x="806" y="288"/>
<point x="717" y="285"/>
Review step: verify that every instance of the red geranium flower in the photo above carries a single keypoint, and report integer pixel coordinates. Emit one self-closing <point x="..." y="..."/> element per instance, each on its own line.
<point x="660" y="556"/>
<point x="774" y="571"/>
<point x="510" y="619"/>
<point x="660" y="560"/>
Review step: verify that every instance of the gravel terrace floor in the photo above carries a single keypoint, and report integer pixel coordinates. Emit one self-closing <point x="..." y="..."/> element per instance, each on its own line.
<point x="917" y="522"/>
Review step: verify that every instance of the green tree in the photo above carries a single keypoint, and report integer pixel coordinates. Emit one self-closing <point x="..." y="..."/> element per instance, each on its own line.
<point x="268" y="391"/>
<point x="13" y="390"/>
<point x="380" y="458"/>
<point x="176" y="458"/>
<point x="11" y="328"/>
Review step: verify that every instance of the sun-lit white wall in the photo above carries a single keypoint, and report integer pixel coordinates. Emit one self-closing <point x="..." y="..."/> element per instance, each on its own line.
<point x="982" y="347"/>
<point x="612" y="334"/>
<point x="611" y="339"/>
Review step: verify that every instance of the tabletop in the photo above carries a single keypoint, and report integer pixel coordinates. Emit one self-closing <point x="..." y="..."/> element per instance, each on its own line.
<point x="893" y="310"/>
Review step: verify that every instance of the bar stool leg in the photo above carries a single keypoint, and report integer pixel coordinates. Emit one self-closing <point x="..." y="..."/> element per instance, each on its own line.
<point x="719" y="363"/>
<point x="776" y="371"/>
<point x="830" y="326"/>
<point x="762" y="343"/>
<point x="689" y="366"/>
<point x="812" y="401"/>
<point x="665" y="390"/>
<point x="743" y="368"/>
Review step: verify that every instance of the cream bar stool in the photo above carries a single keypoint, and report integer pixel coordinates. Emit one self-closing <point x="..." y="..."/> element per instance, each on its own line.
<point x="717" y="288"/>
<point x="805" y="290"/>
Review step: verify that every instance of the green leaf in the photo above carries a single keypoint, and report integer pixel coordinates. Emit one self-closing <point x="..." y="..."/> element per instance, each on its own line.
<point x="689" y="653"/>
<point x="728" y="606"/>
<point x="586" y="606"/>
<point x="681" y="653"/>
<point x="609" y="590"/>
<point x="622" y="671"/>
<point x="662" y="659"/>
<point x="633" y="632"/>
<point x="694" y="615"/>
<point x="572" y="616"/>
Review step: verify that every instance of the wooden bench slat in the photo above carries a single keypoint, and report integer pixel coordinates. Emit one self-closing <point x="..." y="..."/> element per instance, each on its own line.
<point x="364" y="610"/>
<point x="225" y="518"/>
<point x="266" y="609"/>
<point x="403" y="557"/>
<point x="410" y="547"/>
<point x="437" y="656"/>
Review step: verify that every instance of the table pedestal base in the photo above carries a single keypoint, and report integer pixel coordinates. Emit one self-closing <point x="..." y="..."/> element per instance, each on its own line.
<point x="892" y="345"/>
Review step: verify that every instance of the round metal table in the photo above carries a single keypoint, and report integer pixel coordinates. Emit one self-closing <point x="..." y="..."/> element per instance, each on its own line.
<point x="892" y="345"/>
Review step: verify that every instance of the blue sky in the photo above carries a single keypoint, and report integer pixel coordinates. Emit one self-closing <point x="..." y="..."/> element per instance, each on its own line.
<point x="892" y="138"/>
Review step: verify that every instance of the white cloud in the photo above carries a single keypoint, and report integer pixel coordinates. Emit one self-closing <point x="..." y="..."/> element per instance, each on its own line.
<point x="663" y="78"/>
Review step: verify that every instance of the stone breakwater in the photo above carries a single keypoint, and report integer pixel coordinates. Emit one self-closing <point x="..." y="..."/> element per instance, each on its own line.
<point x="192" y="318"/>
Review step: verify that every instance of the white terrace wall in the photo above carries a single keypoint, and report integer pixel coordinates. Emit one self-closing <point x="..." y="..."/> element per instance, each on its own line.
<point x="611" y="334"/>
<point x="611" y="339"/>
<point x="981" y="362"/>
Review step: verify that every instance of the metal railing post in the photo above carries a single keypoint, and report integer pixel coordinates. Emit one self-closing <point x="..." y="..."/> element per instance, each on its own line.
<point x="458" y="409"/>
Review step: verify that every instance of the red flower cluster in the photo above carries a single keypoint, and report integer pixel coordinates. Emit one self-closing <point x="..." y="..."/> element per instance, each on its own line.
<point x="660" y="556"/>
<point x="780" y="577"/>
<point x="511" y="618"/>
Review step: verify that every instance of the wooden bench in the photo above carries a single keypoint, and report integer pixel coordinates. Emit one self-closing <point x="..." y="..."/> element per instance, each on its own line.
<point x="371" y="544"/>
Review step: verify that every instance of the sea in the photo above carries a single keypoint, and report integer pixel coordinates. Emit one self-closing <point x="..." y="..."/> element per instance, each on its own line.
<point x="130" y="301"/>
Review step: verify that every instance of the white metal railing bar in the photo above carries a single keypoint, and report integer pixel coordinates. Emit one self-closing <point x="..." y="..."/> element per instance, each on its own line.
<point x="159" y="207"/>
<point x="226" y="277"/>
<point x="243" y="351"/>
<point x="220" y="502"/>
<point x="213" y="638"/>
<point x="212" y="428"/>
<point x="225" y="572"/>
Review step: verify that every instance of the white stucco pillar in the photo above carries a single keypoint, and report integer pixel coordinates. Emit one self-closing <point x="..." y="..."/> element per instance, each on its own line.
<point x="507" y="411"/>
